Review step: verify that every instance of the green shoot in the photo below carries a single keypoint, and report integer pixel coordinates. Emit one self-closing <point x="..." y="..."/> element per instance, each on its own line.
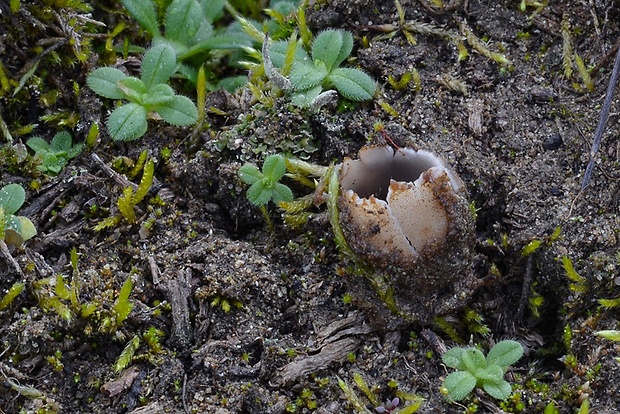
<point x="474" y="370"/>
<point x="265" y="185"/>
<point x="150" y="94"/>
<point x="55" y="154"/>
<point x="310" y="74"/>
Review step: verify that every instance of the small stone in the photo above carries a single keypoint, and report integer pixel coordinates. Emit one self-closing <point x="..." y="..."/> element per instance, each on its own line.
<point x="552" y="142"/>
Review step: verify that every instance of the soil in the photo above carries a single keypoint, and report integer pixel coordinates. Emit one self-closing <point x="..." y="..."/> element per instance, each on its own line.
<point x="268" y="319"/>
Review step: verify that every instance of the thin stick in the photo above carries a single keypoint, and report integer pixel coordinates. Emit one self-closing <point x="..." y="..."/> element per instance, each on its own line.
<point x="598" y="135"/>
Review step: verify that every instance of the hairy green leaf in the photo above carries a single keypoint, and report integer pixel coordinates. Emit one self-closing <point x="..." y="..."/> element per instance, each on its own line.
<point x="180" y="111"/>
<point x="38" y="144"/>
<point x="306" y="76"/>
<point x="332" y="47"/>
<point x="500" y="390"/>
<point x="505" y="353"/>
<point x="353" y="84"/>
<point x="453" y="357"/>
<point x="281" y="193"/>
<point x="104" y="82"/>
<point x="212" y="8"/>
<point x="158" y="95"/>
<point x="490" y="373"/>
<point x="61" y="142"/>
<point x="274" y="167"/>
<point x="127" y="122"/>
<point x="258" y="194"/>
<point x="250" y="174"/>
<point x="158" y="64"/>
<point x="183" y="19"/>
<point x="133" y="88"/>
<point x="473" y="359"/>
<point x="305" y="99"/>
<point x="459" y="384"/>
<point x="277" y="53"/>
<point x="144" y="12"/>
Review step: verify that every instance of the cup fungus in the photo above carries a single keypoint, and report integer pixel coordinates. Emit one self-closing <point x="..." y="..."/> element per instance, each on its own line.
<point x="405" y="214"/>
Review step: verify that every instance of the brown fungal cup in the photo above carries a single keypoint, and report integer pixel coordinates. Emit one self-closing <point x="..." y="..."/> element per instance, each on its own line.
<point x="406" y="215"/>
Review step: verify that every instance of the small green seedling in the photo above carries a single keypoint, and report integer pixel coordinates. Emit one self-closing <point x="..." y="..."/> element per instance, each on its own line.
<point x="474" y="370"/>
<point x="55" y="154"/>
<point x="14" y="229"/>
<point x="306" y="77"/>
<point x="265" y="185"/>
<point x="147" y="96"/>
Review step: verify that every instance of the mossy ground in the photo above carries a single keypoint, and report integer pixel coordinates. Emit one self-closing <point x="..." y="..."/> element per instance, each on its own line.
<point x="519" y="135"/>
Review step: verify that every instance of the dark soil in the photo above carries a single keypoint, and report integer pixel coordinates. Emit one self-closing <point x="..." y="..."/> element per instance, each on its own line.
<point x="518" y="135"/>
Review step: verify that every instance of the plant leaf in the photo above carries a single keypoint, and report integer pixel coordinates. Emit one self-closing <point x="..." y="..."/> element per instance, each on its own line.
<point x="183" y="19"/>
<point x="490" y="373"/>
<point x="459" y="384"/>
<point x="180" y="111"/>
<point x="12" y="197"/>
<point x="453" y="357"/>
<point x="258" y="194"/>
<point x="104" y="82"/>
<point x="125" y="358"/>
<point x="331" y="47"/>
<point x="352" y="83"/>
<point x="306" y="76"/>
<point x="612" y="335"/>
<point x="38" y="145"/>
<point x="144" y="12"/>
<point x="61" y="142"/>
<point x="126" y="205"/>
<point x="249" y="174"/>
<point x="500" y="390"/>
<point x="281" y="193"/>
<point x="505" y="353"/>
<point x="277" y="53"/>
<point x="53" y="163"/>
<point x="212" y="8"/>
<point x="305" y="99"/>
<point x="13" y="292"/>
<point x="145" y="182"/>
<point x="473" y="359"/>
<point x="158" y="95"/>
<point x="127" y="122"/>
<point x="274" y="167"/>
<point x="158" y="64"/>
<point x="133" y="88"/>
<point x="123" y="306"/>
<point x="13" y="230"/>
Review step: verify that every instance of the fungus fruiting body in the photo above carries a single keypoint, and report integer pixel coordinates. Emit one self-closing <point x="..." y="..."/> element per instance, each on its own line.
<point x="406" y="215"/>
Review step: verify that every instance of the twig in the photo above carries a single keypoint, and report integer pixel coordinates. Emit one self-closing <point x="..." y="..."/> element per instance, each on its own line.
<point x="598" y="135"/>
<point x="7" y="254"/>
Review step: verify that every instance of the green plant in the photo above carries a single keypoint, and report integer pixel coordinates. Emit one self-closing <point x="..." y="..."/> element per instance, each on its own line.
<point x="147" y="96"/>
<point x="265" y="185"/>
<point x="403" y="403"/>
<point x="474" y="370"/>
<point x="55" y="154"/>
<point x="131" y="197"/>
<point x="188" y="29"/>
<point x="306" y="76"/>
<point x="14" y="229"/>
